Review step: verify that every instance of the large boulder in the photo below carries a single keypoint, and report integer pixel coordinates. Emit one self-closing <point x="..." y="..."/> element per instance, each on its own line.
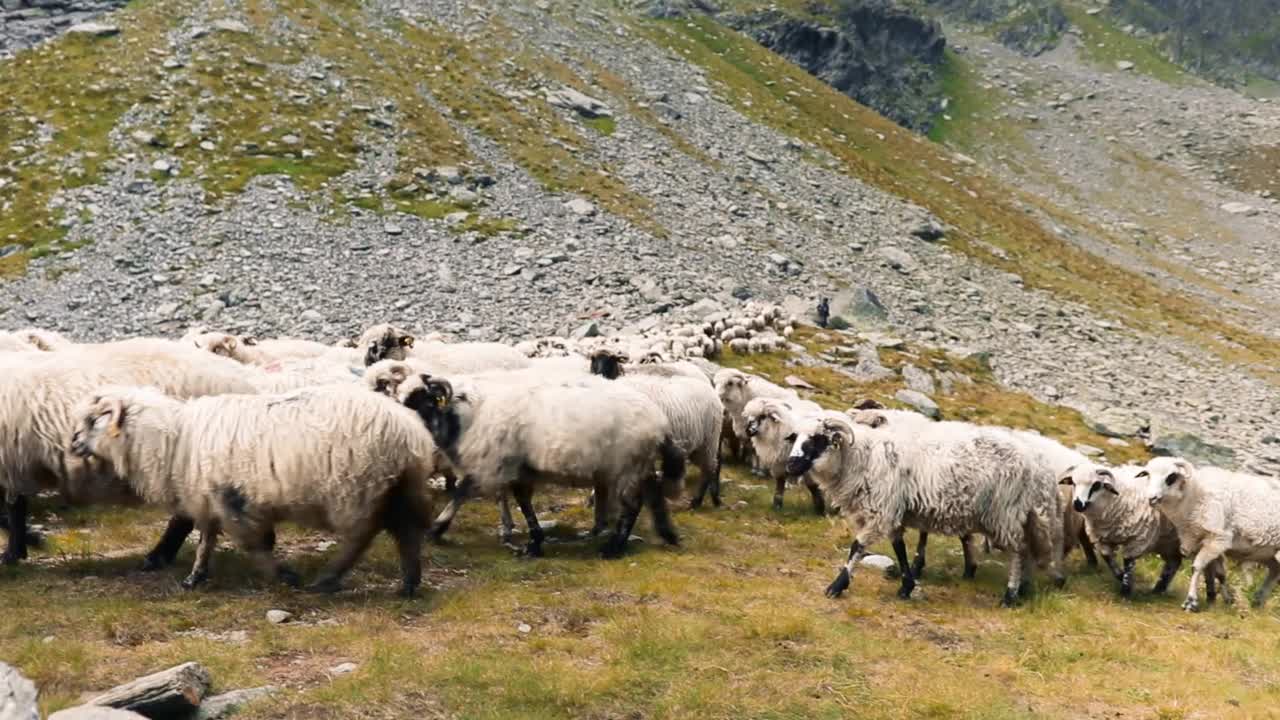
<point x="1193" y="448"/>
<point x="17" y="695"/>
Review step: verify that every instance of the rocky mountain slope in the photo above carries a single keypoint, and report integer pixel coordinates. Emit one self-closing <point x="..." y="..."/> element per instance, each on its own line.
<point x="519" y="168"/>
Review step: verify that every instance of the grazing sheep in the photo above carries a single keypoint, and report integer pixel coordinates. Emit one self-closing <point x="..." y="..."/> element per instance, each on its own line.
<point x="693" y="408"/>
<point x="387" y="342"/>
<point x="1218" y="513"/>
<point x="771" y="425"/>
<point x="38" y="398"/>
<point x="1119" y="519"/>
<point x="954" y="483"/>
<point x="336" y="458"/>
<point x="583" y="433"/>
<point x="736" y="389"/>
<point x="611" y="365"/>
<point x="250" y="351"/>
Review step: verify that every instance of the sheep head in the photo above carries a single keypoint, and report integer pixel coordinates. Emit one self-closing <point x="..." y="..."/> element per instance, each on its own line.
<point x="731" y="386"/>
<point x="812" y="447"/>
<point x="97" y="453"/>
<point x="870" y="418"/>
<point x="1166" y="479"/>
<point x="1089" y="483"/>
<point x="607" y="363"/>
<point x="386" y="376"/>
<point x="433" y="400"/>
<point x="223" y="344"/>
<point x="385" y="342"/>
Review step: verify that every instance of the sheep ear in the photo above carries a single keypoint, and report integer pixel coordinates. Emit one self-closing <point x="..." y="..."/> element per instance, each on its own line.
<point x="1110" y="488"/>
<point x="407" y="341"/>
<point x="878" y="420"/>
<point x="249" y="340"/>
<point x="116" y="408"/>
<point x="1066" y="476"/>
<point x="230" y="343"/>
<point x="774" y="417"/>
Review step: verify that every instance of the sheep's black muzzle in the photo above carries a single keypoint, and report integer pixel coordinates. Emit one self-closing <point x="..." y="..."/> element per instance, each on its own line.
<point x="753" y="428"/>
<point x="797" y="466"/>
<point x="1079" y="505"/>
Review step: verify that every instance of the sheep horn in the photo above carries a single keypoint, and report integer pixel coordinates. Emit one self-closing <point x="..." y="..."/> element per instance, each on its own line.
<point x="116" y="407"/>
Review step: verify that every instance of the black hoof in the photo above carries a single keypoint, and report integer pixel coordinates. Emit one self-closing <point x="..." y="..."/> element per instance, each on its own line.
<point x="669" y="537"/>
<point x="904" y="592"/>
<point x="970" y="572"/>
<point x="193" y="581"/>
<point x="533" y="549"/>
<point x="325" y="586"/>
<point x="696" y="503"/>
<point x="1060" y="582"/>
<point x="715" y="500"/>
<point x="777" y="503"/>
<point x="1024" y="588"/>
<point x="1190" y="605"/>
<point x="839" y="585"/>
<point x="289" y="577"/>
<point x="598" y="530"/>
<point x="11" y="557"/>
<point x="1126" y="591"/>
<point x="1010" y="599"/>
<point x="408" y="592"/>
<point x="614" y="548"/>
<point x="154" y="562"/>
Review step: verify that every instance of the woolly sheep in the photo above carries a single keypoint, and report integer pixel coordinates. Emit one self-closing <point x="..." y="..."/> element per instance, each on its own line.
<point x="251" y="351"/>
<point x="1217" y="513"/>
<point x="736" y="389"/>
<point x="692" y="407"/>
<point x="1119" y="519"/>
<point x="43" y="340"/>
<point x="952" y="483"/>
<point x="770" y="425"/>
<point x="10" y="343"/>
<point x="611" y="365"/>
<point x="387" y="342"/>
<point x="36" y="402"/>
<point x="584" y="433"/>
<point x="336" y="458"/>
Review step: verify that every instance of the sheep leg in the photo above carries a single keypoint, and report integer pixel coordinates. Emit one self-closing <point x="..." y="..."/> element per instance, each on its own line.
<point x="1264" y="590"/>
<point x="1126" y="577"/>
<point x="710" y="471"/>
<point x="856" y="552"/>
<point x="658" y="509"/>
<point x="908" y="578"/>
<point x="1219" y="570"/>
<point x="815" y="492"/>
<point x="166" y="550"/>
<point x="601" y="495"/>
<point x="523" y="494"/>
<point x="970" y="565"/>
<point x="1209" y="552"/>
<point x="1171" y="565"/>
<point x="461" y="492"/>
<point x="1014" y="582"/>
<point x="16" y="513"/>
<point x="1086" y="546"/>
<point x="617" y="544"/>
<point x="259" y="544"/>
<point x="1110" y="560"/>
<point x="917" y="567"/>
<point x="407" y="531"/>
<point x="779" y="489"/>
<point x="508" y="525"/>
<point x="355" y="543"/>
<point x="204" y="553"/>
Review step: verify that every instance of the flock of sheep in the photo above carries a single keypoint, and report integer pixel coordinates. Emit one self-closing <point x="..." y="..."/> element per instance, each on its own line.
<point x="233" y="435"/>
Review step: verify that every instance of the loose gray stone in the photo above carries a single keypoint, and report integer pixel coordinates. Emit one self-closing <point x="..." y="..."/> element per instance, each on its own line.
<point x="231" y="26"/>
<point x="929" y="231"/>
<point x="311" y="316"/>
<point x="94" y="712"/>
<point x="917" y="379"/>
<point x="921" y="402"/>
<point x="17" y="695"/>
<point x="578" y="206"/>
<point x="1117" y="422"/>
<point x="95" y="29"/>
<point x="276" y="617"/>
<point x="1239" y="208"/>
<point x="897" y="258"/>
<point x="589" y="329"/>
<point x="1193" y="448"/>
<point x="345" y="668"/>
<point x="462" y="197"/>
<point x="227" y="704"/>
<point x="883" y="563"/>
<point x="582" y="104"/>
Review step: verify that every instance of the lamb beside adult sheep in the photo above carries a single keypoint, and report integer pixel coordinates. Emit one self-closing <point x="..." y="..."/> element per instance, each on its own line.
<point x="771" y="425"/>
<point x="954" y="483"/>
<point x="736" y="389"/>
<point x="588" y="432"/>
<point x="38" y="399"/>
<point x="1218" y="513"/>
<point x="336" y="458"/>
<point x="691" y="405"/>
<point x="1120" y="520"/>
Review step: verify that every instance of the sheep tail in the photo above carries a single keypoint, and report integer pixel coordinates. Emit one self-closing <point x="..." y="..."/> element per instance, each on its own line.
<point x="672" y="461"/>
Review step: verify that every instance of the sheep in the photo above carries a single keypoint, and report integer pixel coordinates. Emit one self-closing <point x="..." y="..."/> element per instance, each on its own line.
<point x="336" y="458"/>
<point x="1217" y="513"/>
<point x="1118" y="518"/>
<point x="10" y="343"/>
<point x="251" y="351"/>
<point x="955" y="483"/>
<point x="43" y="340"/>
<point x="586" y="433"/>
<point x="736" y="389"/>
<point x="693" y="408"/>
<point x="37" y="399"/>
<point x="610" y="364"/>
<point x="387" y="342"/>
<point x="770" y="424"/>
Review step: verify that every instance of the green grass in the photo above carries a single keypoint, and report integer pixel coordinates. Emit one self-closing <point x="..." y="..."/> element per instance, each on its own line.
<point x="972" y="119"/>
<point x="604" y="125"/>
<point x="983" y="212"/>
<point x="1105" y="44"/>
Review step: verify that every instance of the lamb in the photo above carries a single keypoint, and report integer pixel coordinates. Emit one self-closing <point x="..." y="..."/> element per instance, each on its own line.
<point x="38" y="400"/>
<point x="954" y="483"/>
<point x="585" y="433"/>
<point x="336" y="458"/>
<point x="736" y="389"/>
<point x="1217" y="513"/>
<point x="693" y="408"/>
<point x="771" y="424"/>
<point x="1119" y="519"/>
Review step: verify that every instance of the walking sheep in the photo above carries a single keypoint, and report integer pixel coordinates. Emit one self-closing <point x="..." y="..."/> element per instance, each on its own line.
<point x="771" y="425"/>
<point x="956" y="484"/>
<point x="583" y="433"/>
<point x="38" y="399"/>
<point x="336" y="458"/>
<point x="736" y="389"/>
<point x="387" y="342"/>
<point x="1218" y="513"/>
<point x="1120" y="520"/>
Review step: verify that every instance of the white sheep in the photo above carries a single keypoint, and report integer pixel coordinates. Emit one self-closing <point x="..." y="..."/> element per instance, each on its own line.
<point x="337" y="458"/>
<point x="736" y="389"/>
<point x="36" y="401"/>
<point x="10" y="343"/>
<point x="953" y="483"/>
<point x="771" y="425"/>
<point x="43" y="340"/>
<point x="266" y="352"/>
<point x="1218" y="513"/>
<point x="587" y="432"/>
<point x="387" y="342"/>
<point x="1119" y="519"/>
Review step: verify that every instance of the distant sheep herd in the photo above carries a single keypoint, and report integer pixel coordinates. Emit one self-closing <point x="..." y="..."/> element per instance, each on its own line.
<point x="232" y="435"/>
